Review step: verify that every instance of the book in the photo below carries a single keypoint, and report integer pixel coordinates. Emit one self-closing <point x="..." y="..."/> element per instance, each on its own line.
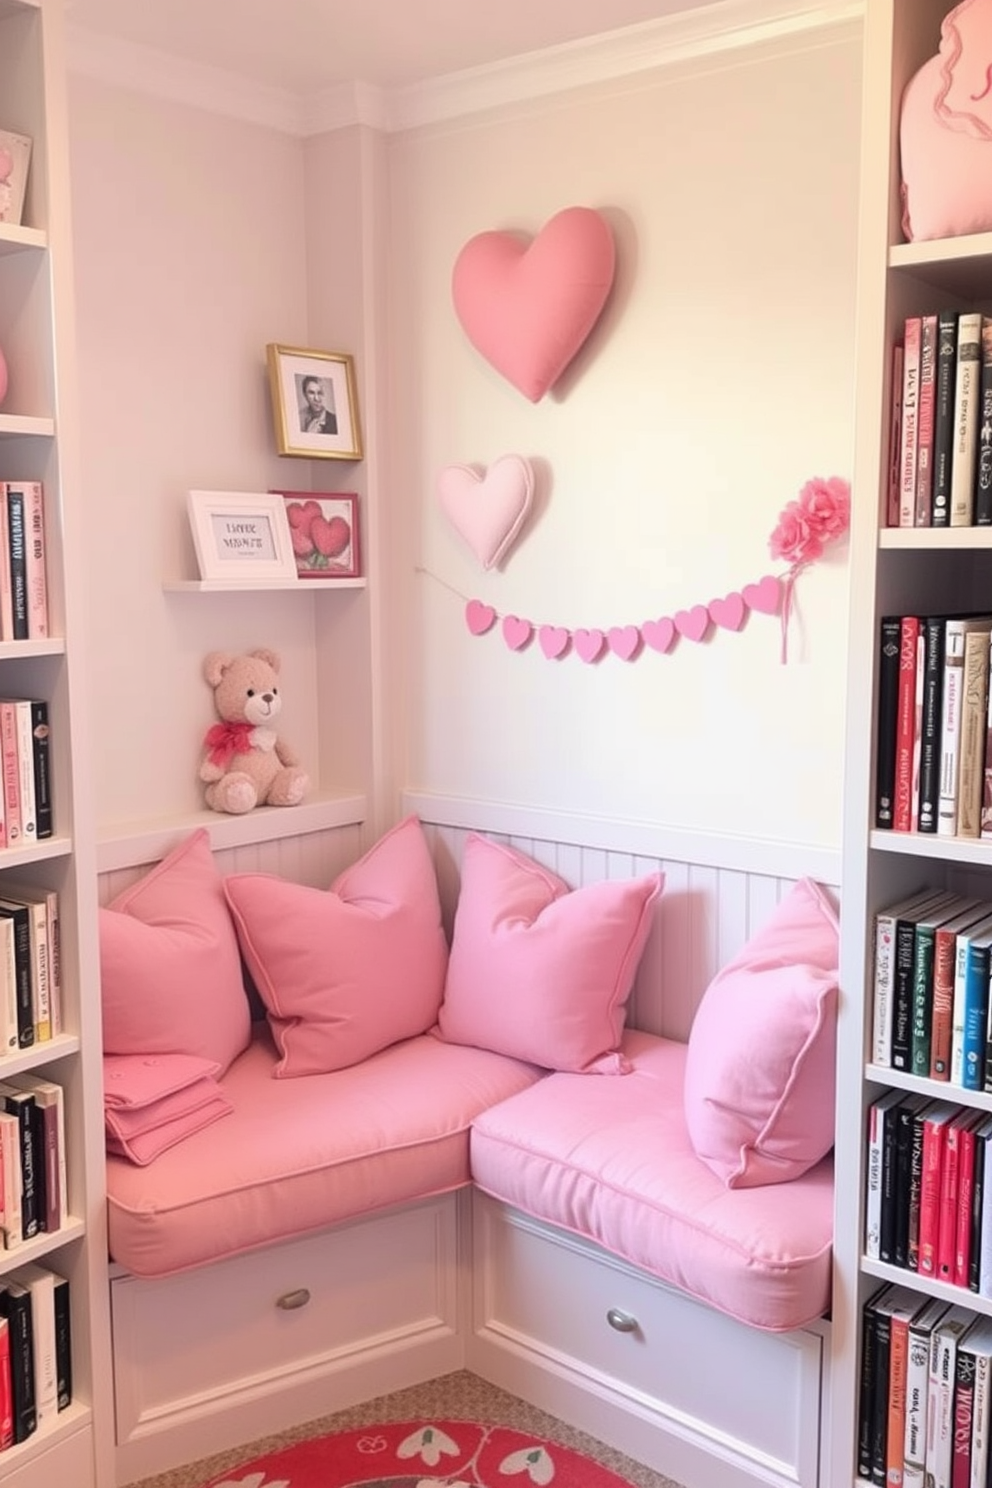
<point x="983" y="470"/>
<point x="966" y="1188"/>
<point x="20" y="919"/>
<point x="969" y="1019"/>
<point x="23" y="725"/>
<point x="15" y="1306"/>
<point x="974" y="733"/>
<point x="935" y="1125"/>
<point x="920" y="1332"/>
<point x="888" y="1221"/>
<point x="907" y="1117"/>
<point x="50" y="1100"/>
<point x="10" y="1171"/>
<point x="38" y="947"/>
<point x="982" y="1138"/>
<point x="866" y="1382"/>
<point x="943" y="416"/>
<point x="906" y="731"/>
<point x="958" y="627"/>
<point x="8" y="987"/>
<point x="21" y="1103"/>
<point x="925" y="421"/>
<point x="964" y="1406"/>
<point x="912" y="347"/>
<point x="6" y="1389"/>
<point x="35" y="559"/>
<point x="966" y="390"/>
<point x="888" y="719"/>
<point x="41" y="761"/>
<point x="879" y="1116"/>
<point x="895" y="437"/>
<point x="923" y="977"/>
<point x="904" y="1302"/>
<point x="15" y="535"/>
<point x="915" y="1188"/>
<point x="940" y="1393"/>
<point x="48" y="966"/>
<point x="886" y="930"/>
<point x="40" y="1283"/>
<point x="6" y="595"/>
<point x="977" y="1342"/>
<point x="895" y="1429"/>
<point x="944" y="965"/>
<point x="933" y="627"/>
<point x="10" y="768"/>
<point x="950" y="1193"/>
<point x="63" y="1340"/>
<point x="943" y="904"/>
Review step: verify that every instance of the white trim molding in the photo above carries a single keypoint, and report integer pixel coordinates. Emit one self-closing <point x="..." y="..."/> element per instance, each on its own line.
<point x="726" y="26"/>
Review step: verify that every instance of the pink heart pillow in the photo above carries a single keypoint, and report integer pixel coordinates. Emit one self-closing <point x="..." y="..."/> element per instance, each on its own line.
<point x="170" y="972"/>
<point x="488" y="510"/>
<point x="538" y="971"/>
<point x="759" y="1078"/>
<point x="346" y="971"/>
<point x="528" y="308"/>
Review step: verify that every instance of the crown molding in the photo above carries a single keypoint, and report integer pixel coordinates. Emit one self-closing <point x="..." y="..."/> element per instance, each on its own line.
<point x="727" y="25"/>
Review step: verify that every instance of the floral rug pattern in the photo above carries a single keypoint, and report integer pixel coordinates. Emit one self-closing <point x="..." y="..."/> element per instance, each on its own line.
<point x="423" y="1454"/>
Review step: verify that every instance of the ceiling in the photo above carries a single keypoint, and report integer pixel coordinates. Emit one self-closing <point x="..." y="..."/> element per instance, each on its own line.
<point x="307" y="46"/>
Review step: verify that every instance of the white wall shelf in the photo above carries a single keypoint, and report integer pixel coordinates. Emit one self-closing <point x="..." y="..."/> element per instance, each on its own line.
<point x="19" y="424"/>
<point x="242" y="586"/>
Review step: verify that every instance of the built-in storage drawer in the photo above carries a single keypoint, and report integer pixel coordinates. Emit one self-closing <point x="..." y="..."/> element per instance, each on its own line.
<point x="636" y="1344"/>
<point x="191" y="1347"/>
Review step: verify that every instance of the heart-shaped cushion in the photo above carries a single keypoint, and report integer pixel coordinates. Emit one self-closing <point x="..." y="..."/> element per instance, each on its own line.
<point x="488" y="509"/>
<point x="528" y="308"/>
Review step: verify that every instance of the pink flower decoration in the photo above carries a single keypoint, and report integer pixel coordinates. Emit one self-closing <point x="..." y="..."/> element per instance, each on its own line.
<point x="820" y="515"/>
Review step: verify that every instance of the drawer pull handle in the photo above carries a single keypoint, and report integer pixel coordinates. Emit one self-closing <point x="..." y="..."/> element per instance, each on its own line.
<point x="289" y="1301"/>
<point x="624" y="1322"/>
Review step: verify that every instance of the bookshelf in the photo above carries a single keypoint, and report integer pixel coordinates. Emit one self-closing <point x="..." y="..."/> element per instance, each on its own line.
<point x="38" y="441"/>
<point x="912" y="571"/>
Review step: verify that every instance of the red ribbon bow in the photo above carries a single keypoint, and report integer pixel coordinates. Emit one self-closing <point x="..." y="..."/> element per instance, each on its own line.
<point x="225" y="740"/>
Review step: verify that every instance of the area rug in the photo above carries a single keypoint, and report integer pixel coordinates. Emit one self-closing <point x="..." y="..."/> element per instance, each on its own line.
<point x="461" y="1454"/>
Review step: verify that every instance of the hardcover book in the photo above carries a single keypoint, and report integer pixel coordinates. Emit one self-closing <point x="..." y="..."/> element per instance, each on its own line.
<point x="888" y="719"/>
<point x="966" y="392"/>
<point x="63" y="1341"/>
<point x="15" y="1306"/>
<point x="895" y="437"/>
<point x="983" y="474"/>
<point x="974" y="733"/>
<point x="925" y="421"/>
<point x="907" y="735"/>
<point x="943" y="421"/>
<point x="18" y="561"/>
<point x="917" y="1388"/>
<point x="886" y="928"/>
<point x="958" y="627"/>
<point x="912" y="339"/>
<point x="924" y="940"/>
<point x="930" y="721"/>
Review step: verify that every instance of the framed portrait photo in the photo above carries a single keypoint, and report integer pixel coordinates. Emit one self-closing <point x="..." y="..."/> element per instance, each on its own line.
<point x="323" y="530"/>
<point x="241" y="536"/>
<point x="314" y="406"/>
<point x="15" y="157"/>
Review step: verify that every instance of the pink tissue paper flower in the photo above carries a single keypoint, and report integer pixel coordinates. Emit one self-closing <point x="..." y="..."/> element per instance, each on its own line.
<point x="819" y="516"/>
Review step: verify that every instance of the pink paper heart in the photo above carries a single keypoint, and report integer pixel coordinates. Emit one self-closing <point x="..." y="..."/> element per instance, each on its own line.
<point x="728" y="612"/>
<point x="765" y="596"/>
<point x="694" y="623"/>
<point x="659" y="634"/>
<point x="625" y="641"/>
<point x="553" y="640"/>
<point x="479" y="617"/>
<point x="516" y="633"/>
<point x="488" y="509"/>
<point x="528" y="308"/>
<point x="589" y="644"/>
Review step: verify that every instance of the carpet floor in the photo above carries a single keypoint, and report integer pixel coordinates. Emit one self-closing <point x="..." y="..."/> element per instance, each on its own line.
<point x="459" y="1396"/>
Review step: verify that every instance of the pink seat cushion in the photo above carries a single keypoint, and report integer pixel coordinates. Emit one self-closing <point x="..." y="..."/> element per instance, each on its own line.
<point x="611" y="1160"/>
<point x="298" y="1155"/>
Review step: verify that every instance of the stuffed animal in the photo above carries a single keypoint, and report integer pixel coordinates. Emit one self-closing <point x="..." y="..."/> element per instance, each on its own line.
<point x="246" y="763"/>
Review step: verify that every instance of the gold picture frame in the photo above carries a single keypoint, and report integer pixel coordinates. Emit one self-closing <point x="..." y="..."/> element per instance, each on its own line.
<point x="314" y="403"/>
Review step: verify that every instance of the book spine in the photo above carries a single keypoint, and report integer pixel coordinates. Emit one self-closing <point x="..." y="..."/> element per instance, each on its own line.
<point x="887" y="1217"/>
<point x="980" y="1422"/>
<point x="873" y="1168"/>
<point x="902" y="815"/>
<point x="63" y="1342"/>
<point x="947" y="1225"/>
<point x="974" y="733"/>
<point x="25" y="769"/>
<point x="895" y="436"/>
<point x="943" y="421"/>
<point x="914" y="1194"/>
<point x="41" y="759"/>
<point x="21" y="1105"/>
<point x="880" y="1396"/>
<point x="904" y="1117"/>
<point x="888" y="718"/>
<point x="915" y="1434"/>
<point x="895" y="1433"/>
<point x="912" y="338"/>
<point x="976" y="1012"/>
<point x="10" y="1156"/>
<point x="866" y="1390"/>
<point x="944" y="946"/>
<point x="977" y="1205"/>
<point x="950" y="733"/>
<point x="933" y="1162"/>
<point x="6" y="1389"/>
<point x="8" y="986"/>
<point x="21" y="936"/>
<point x="925" y="419"/>
<point x="36" y="560"/>
<point x="966" y="1190"/>
<point x="966" y="386"/>
<point x="983" y="473"/>
<point x="18" y="560"/>
<point x="15" y="1302"/>
<point x="902" y="996"/>
<point x="6" y="593"/>
<point x="923" y="958"/>
<point x="885" y="939"/>
<point x="964" y="1394"/>
<point x="933" y="684"/>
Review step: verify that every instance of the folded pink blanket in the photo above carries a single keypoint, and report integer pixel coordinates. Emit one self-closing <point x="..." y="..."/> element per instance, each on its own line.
<point x="151" y="1102"/>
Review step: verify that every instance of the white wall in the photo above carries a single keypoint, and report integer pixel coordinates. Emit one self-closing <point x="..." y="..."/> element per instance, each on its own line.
<point x="717" y="382"/>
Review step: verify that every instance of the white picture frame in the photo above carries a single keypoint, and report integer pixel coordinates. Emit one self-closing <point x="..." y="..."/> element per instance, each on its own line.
<point x="15" y="158"/>
<point x="241" y="537"/>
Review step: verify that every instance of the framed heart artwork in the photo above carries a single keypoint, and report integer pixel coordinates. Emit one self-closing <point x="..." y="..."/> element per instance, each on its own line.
<point x="324" y="532"/>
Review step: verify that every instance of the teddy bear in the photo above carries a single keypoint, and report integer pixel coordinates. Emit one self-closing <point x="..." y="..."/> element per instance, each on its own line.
<point x="247" y="764"/>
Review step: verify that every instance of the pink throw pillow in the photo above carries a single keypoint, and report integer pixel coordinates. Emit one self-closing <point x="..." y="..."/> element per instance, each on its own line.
<point x="760" y="1076"/>
<point x="538" y="971"/>
<point x="170" y="971"/>
<point x="346" y="971"/>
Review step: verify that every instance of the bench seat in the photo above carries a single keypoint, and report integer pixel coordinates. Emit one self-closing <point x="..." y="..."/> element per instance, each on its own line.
<point x="609" y="1158"/>
<point x="299" y="1155"/>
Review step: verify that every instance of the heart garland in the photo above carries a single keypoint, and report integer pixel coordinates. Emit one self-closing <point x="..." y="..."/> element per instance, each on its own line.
<point x="805" y="528"/>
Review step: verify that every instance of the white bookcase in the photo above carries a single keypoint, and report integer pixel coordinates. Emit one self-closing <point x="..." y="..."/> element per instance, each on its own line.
<point x="923" y="571"/>
<point x="38" y="441"/>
